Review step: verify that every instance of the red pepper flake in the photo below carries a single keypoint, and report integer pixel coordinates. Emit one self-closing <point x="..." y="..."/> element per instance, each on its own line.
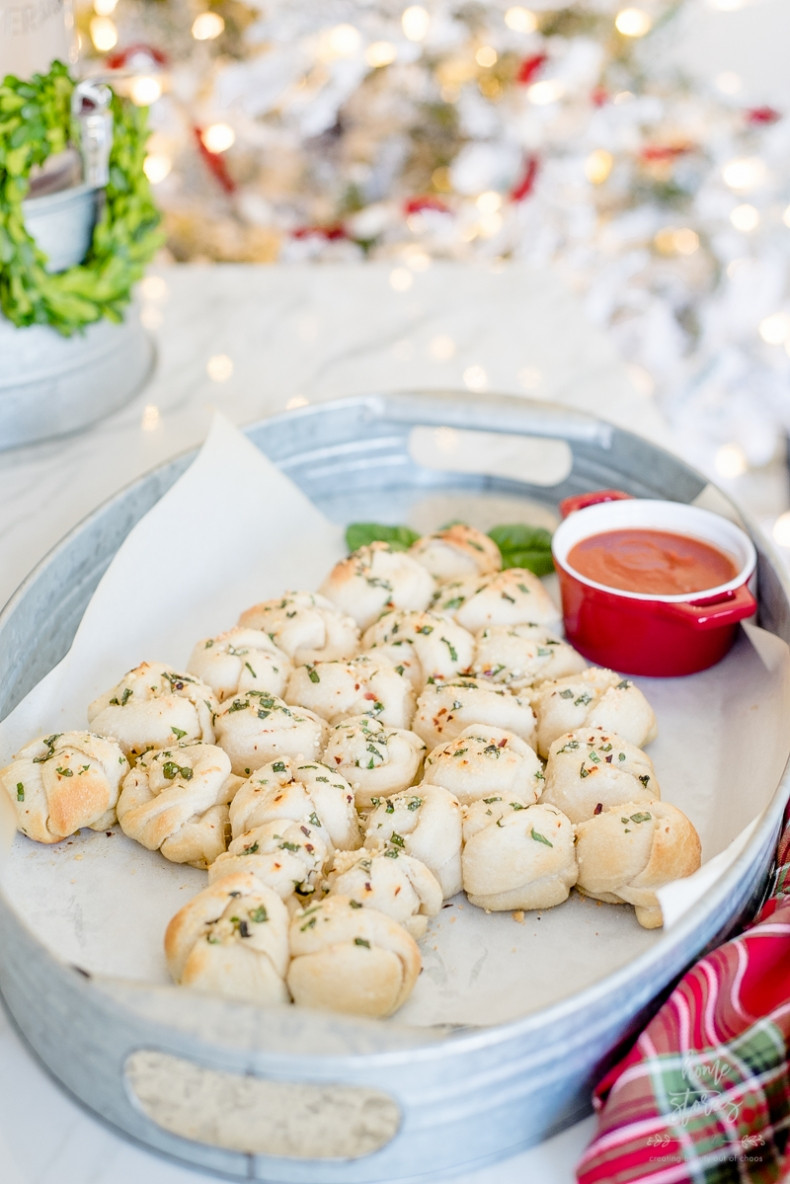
<point x="502" y="743"/>
<point x="598" y="808"/>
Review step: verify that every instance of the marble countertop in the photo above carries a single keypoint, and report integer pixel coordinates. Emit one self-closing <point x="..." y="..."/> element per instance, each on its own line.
<point x="251" y="341"/>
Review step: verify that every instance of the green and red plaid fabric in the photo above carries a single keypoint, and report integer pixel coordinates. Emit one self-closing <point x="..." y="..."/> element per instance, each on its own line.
<point x="704" y="1094"/>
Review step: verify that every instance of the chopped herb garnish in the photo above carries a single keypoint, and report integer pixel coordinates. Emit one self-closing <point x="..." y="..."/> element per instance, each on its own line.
<point x="539" y="838"/>
<point x="259" y="914"/>
<point x="64" y="772"/>
<point x="361" y="941"/>
<point x="20" y="791"/>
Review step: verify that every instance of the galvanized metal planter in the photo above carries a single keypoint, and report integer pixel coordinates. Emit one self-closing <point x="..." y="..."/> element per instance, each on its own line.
<point x="281" y="1094"/>
<point x="51" y="385"/>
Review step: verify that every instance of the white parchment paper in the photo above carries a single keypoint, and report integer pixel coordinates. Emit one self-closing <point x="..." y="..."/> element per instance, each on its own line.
<point x="234" y="530"/>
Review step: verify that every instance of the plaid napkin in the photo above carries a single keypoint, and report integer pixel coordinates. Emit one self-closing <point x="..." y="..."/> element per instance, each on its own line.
<point x="704" y="1094"/>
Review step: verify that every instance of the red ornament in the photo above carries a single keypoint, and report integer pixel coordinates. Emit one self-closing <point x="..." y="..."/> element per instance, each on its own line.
<point x="215" y="163"/>
<point x="416" y="205"/>
<point x="763" y="115"/>
<point x="654" y="152"/>
<point x="330" y="233"/>
<point x="123" y="57"/>
<point x="526" y="184"/>
<point x="530" y="67"/>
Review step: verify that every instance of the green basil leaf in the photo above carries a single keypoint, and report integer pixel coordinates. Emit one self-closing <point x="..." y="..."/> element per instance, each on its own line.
<point x="524" y="546"/>
<point x="359" y="534"/>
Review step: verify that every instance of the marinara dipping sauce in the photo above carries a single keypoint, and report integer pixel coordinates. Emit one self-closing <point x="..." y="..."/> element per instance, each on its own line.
<point x="656" y="562"/>
<point x="651" y="586"/>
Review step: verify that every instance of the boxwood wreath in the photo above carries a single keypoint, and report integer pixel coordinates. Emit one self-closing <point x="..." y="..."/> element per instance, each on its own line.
<point x="35" y="119"/>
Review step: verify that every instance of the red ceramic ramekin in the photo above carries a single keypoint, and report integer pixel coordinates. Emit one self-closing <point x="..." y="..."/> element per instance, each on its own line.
<point x="642" y="633"/>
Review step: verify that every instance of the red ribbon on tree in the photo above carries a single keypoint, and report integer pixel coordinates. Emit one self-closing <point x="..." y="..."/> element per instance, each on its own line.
<point x="215" y="162"/>
<point x="526" y="183"/>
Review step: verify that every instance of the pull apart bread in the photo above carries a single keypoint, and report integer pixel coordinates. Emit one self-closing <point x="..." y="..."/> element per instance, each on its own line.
<point x="60" y="783"/>
<point x="376" y="579"/>
<point x="422" y="646"/>
<point x="175" y="800"/>
<point x="345" y="957"/>
<point x="231" y="939"/>
<point x="354" y="686"/>
<point x="456" y="552"/>
<point x="153" y="706"/>
<point x="341" y="762"/>
<point x="306" y="625"/>
<point x="240" y="660"/>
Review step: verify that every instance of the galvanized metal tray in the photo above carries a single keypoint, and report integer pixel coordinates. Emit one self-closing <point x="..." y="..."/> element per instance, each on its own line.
<point x="284" y="1095"/>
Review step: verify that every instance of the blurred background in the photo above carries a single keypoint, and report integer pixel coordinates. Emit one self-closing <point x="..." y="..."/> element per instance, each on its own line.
<point x="641" y="150"/>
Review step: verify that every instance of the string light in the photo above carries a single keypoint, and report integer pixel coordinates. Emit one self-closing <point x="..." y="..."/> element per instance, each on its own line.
<point x="157" y="166"/>
<point x="145" y="90"/>
<point x="781" y="529"/>
<point x="545" y="92"/>
<point x="486" y="56"/>
<point x="104" y="7"/>
<point x="632" y="22"/>
<point x="380" y="53"/>
<point x="104" y="34"/>
<point x="744" y="174"/>
<point x="489" y="202"/>
<point x="207" y="25"/>
<point x="218" y="137"/>
<point x="598" y="166"/>
<point x="415" y="22"/>
<point x="676" y="241"/>
<point x="775" y="329"/>
<point x="521" y="20"/>
<point x="343" y="41"/>
<point x="745" y="217"/>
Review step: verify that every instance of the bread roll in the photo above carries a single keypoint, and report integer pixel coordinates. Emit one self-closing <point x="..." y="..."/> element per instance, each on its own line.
<point x="154" y="706"/>
<point x="517" y="856"/>
<point x="511" y="597"/>
<point x="421" y="646"/>
<point x="424" y="822"/>
<point x="456" y="552"/>
<point x="375" y="579"/>
<point x="231" y="940"/>
<point x="366" y="685"/>
<point x="630" y="850"/>
<point x="311" y="793"/>
<point x="175" y="800"/>
<point x="445" y="709"/>
<point x="482" y="760"/>
<point x="596" y="698"/>
<point x="522" y="655"/>
<point x="374" y="759"/>
<point x="288" y="857"/>
<point x="240" y="660"/>
<point x="307" y="626"/>
<point x="353" y="960"/>
<point x="60" y="783"/>
<point x="593" y="769"/>
<point x="388" y="880"/>
<point x="255" y="728"/>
